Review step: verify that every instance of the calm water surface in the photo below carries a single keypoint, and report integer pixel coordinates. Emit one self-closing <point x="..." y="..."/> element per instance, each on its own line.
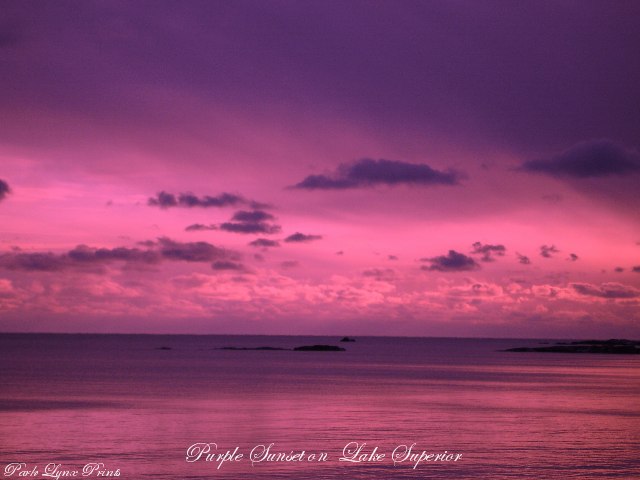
<point x="120" y="400"/>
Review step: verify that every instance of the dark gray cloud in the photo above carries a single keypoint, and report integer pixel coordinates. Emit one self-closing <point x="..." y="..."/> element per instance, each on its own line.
<point x="251" y="222"/>
<point x="547" y="251"/>
<point x="618" y="269"/>
<point x="228" y="265"/>
<point x="4" y="189"/>
<point x="523" y="259"/>
<point x="573" y="257"/>
<point x="85" y="254"/>
<point x="81" y="257"/>
<point x="197" y="227"/>
<point x="599" y="170"/>
<point x="392" y="257"/>
<point x="189" y="200"/>
<point x="597" y="158"/>
<point x="488" y="251"/>
<point x="90" y="258"/>
<point x="368" y="173"/>
<point x="636" y="269"/>
<point x="302" y="238"/>
<point x="264" y="243"/>
<point x="163" y="200"/>
<point x="191" y="251"/>
<point x="250" y="227"/>
<point x="253" y="216"/>
<point x="452" y="262"/>
<point x="43" y="262"/>
<point x="222" y="200"/>
<point x="606" y="290"/>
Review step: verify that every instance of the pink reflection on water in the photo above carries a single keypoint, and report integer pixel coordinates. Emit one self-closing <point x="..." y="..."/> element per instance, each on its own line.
<point x="547" y="417"/>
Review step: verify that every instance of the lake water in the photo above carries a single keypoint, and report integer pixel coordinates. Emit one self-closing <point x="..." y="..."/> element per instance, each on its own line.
<point x="120" y="400"/>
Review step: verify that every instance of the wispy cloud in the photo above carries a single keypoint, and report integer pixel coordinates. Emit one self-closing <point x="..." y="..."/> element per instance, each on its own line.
<point x="252" y="216"/>
<point x="197" y="227"/>
<point x="290" y="264"/>
<point x="368" y="173"/>
<point x="264" y="243"/>
<point x="302" y="238"/>
<point x="488" y="251"/>
<point x="85" y="257"/>
<point x="189" y="200"/>
<point x="548" y="251"/>
<point x="228" y="265"/>
<point x="380" y="274"/>
<point x="596" y="158"/>
<point x="606" y="290"/>
<point x="250" y="227"/>
<point x="4" y="189"/>
<point x="190" y="251"/>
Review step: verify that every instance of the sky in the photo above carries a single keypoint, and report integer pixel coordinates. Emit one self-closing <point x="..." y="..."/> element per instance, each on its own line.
<point x="423" y="168"/>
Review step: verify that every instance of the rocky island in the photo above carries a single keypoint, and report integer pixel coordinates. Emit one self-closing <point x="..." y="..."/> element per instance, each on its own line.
<point x="614" y="346"/>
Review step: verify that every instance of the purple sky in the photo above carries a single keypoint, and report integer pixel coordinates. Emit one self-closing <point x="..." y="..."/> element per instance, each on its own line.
<point x="401" y="168"/>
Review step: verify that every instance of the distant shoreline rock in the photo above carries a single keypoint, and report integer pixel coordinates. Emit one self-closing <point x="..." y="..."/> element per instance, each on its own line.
<point x="252" y="348"/>
<point x="347" y="339"/>
<point x="612" y="346"/>
<point x="319" y="348"/>
<point x="304" y="348"/>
